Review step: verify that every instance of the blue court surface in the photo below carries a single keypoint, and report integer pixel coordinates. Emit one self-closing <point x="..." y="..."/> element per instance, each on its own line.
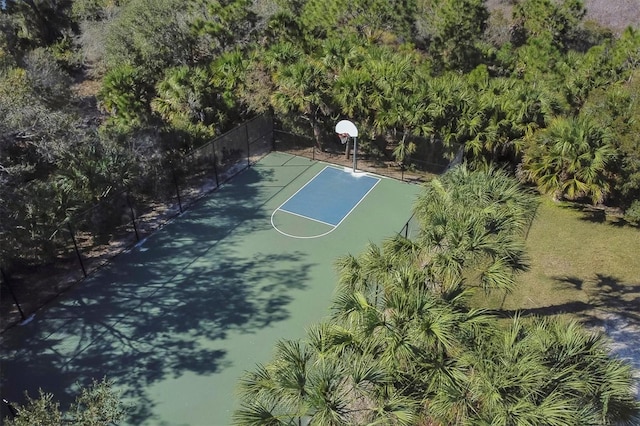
<point x="330" y="196"/>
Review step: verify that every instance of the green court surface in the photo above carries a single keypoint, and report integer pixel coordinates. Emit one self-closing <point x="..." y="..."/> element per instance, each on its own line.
<point x="175" y="321"/>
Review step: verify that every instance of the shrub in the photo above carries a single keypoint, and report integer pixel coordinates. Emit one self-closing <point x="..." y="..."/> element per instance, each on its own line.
<point x="632" y="214"/>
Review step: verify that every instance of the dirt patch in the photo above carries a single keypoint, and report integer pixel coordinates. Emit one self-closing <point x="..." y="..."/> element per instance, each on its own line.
<point x="616" y="15"/>
<point x="625" y="335"/>
<point x="86" y="88"/>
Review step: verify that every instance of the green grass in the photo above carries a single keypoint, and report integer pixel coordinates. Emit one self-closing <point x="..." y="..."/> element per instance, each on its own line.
<point x="582" y="263"/>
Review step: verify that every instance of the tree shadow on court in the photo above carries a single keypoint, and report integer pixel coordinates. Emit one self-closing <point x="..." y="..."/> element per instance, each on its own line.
<point x="154" y="313"/>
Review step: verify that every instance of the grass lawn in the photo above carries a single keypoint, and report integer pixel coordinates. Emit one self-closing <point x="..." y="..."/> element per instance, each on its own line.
<point x="582" y="265"/>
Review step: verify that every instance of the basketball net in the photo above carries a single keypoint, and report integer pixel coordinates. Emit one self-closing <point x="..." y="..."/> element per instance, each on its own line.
<point x="344" y="137"/>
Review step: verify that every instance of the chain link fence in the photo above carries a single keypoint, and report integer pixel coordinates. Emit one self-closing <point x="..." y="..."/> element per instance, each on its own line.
<point x="429" y="160"/>
<point x="88" y="239"/>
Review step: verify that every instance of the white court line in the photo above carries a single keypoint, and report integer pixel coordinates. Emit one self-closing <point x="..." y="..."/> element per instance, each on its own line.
<point x="306" y="217"/>
<point x="303" y="186"/>
<point x="361" y="198"/>
<point x="316" y="220"/>
<point x="301" y="237"/>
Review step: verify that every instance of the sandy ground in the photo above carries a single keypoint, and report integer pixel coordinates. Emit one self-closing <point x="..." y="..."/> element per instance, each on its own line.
<point x="625" y="335"/>
<point x="614" y="14"/>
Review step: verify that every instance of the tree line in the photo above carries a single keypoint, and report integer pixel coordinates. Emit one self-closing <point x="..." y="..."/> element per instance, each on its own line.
<point x="100" y="94"/>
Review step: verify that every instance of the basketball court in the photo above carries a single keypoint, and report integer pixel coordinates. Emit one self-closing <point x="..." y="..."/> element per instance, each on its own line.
<point x="175" y="321"/>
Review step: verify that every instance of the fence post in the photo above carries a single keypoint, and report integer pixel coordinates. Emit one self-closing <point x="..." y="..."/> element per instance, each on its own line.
<point x="175" y="183"/>
<point x="246" y="135"/>
<point x="75" y="245"/>
<point x="273" y="135"/>
<point x="215" y="167"/>
<point x="133" y="216"/>
<point x="13" y="295"/>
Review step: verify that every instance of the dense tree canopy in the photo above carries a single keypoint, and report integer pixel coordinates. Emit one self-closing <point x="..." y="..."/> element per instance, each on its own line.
<point x="100" y="94"/>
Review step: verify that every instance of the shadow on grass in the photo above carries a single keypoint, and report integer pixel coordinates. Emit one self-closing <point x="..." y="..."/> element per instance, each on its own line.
<point x="598" y="215"/>
<point x="589" y="212"/>
<point x="606" y="294"/>
<point x="154" y="312"/>
<point x="562" y="308"/>
<point x="611" y="295"/>
<point x="577" y="283"/>
<point x="620" y="222"/>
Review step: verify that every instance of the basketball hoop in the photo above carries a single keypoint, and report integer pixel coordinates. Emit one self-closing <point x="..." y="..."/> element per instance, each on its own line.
<point x="345" y="130"/>
<point x="344" y="137"/>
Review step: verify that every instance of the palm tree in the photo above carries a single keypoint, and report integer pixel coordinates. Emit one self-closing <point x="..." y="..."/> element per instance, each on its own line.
<point x="547" y="371"/>
<point x="324" y="383"/>
<point x="342" y="52"/>
<point x="569" y="159"/>
<point x="448" y="98"/>
<point x="581" y="360"/>
<point x="185" y="101"/>
<point x="302" y="89"/>
<point x="494" y="125"/>
<point x="405" y="324"/>
<point x="124" y="95"/>
<point x="473" y="223"/>
<point x="228" y="74"/>
<point x="276" y="393"/>
<point x="352" y="93"/>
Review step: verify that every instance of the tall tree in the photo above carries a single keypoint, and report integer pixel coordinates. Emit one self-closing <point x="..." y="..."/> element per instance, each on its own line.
<point x="302" y="89"/>
<point x="554" y="23"/>
<point x="223" y="24"/>
<point x="41" y="22"/>
<point x="453" y="30"/>
<point x="151" y="35"/>
<point x="615" y="108"/>
<point x="375" y="20"/>
<point x="473" y="223"/>
<point x="570" y="159"/>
